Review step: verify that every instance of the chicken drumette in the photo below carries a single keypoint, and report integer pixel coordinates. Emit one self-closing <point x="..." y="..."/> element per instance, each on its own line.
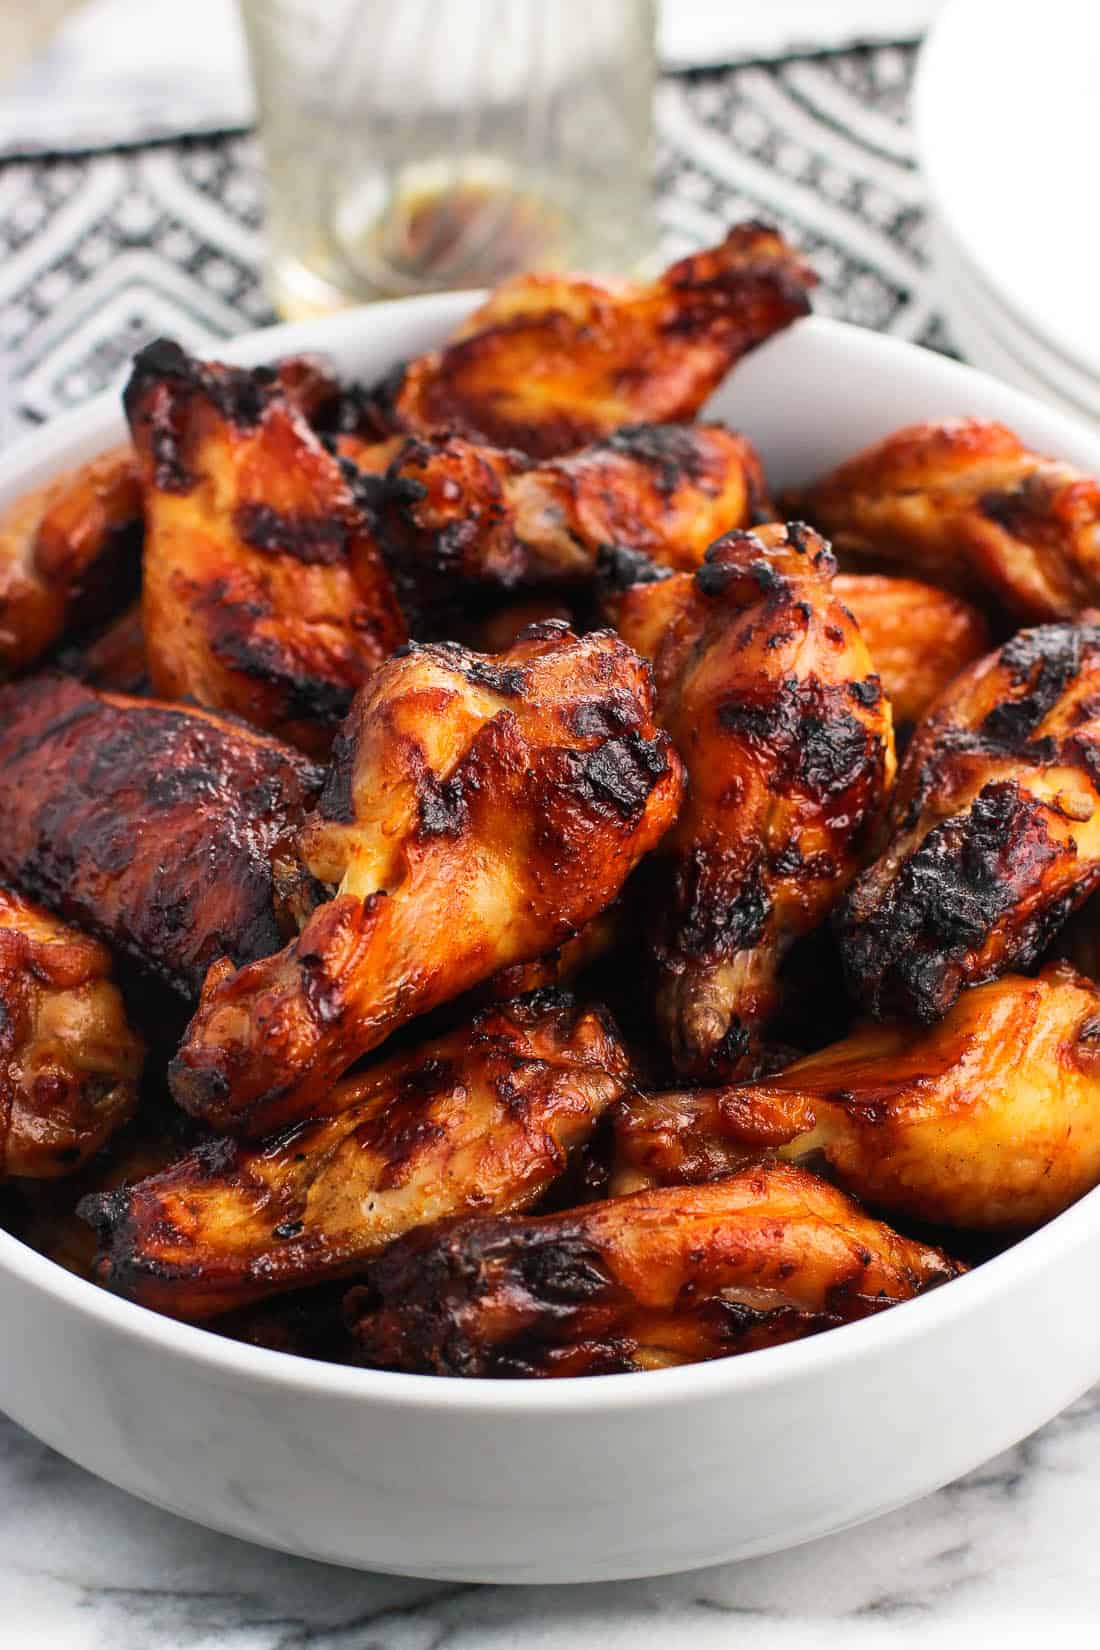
<point x="264" y="591"/>
<point x="480" y="809"/>
<point x="551" y="362"/>
<point x="966" y="504"/>
<point x="154" y="826"/>
<point x="770" y="696"/>
<point x="663" y="1277"/>
<point x="994" y="828"/>
<point x="482" y="1118"/>
<point x="69" y="1062"/>
<point x="919" y="637"/>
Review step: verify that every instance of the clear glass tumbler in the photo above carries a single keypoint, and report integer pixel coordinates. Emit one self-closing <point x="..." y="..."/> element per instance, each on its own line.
<point x="413" y="145"/>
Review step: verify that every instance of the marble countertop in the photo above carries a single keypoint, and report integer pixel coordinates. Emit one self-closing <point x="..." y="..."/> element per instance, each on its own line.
<point x="1010" y="1552"/>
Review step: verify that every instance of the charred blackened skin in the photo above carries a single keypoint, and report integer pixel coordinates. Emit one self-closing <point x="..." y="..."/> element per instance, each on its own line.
<point x="947" y="899"/>
<point x="1047" y="659"/>
<point x="618" y="568"/>
<point x="150" y="826"/>
<point x="669" y="450"/>
<point x="815" y="740"/>
<point x="711" y="929"/>
<point x="239" y="394"/>
<point x="623" y="772"/>
<point x="318" y="542"/>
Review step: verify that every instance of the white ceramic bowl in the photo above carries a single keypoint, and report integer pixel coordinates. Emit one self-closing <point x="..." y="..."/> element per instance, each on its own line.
<point x="596" y="1478"/>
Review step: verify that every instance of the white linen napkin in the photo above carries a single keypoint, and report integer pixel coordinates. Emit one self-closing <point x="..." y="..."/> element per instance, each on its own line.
<point x="120" y="72"/>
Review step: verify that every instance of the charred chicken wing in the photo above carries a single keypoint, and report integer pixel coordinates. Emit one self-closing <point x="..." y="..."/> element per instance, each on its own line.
<point x="152" y="825"/>
<point x="481" y="1119"/>
<point x="919" y="637"/>
<point x="770" y="696"/>
<point x="994" y="828"/>
<point x="449" y="509"/>
<point x="264" y="592"/>
<point x="966" y="504"/>
<point x="662" y="1277"/>
<point x="479" y="810"/>
<point x="68" y="555"/>
<point x="551" y="362"/>
<point x="69" y="1062"/>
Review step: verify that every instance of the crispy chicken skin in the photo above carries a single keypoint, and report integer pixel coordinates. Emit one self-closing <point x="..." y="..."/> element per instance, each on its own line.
<point x="966" y="504"/>
<point x="479" y="810"/>
<point x="481" y="1119"/>
<point x="989" y="1120"/>
<point x="152" y="825"/>
<point x="663" y="1277"/>
<point x="68" y="555"/>
<point x="919" y="637"/>
<point x="551" y="362"/>
<point x="994" y="833"/>
<point x="452" y="509"/>
<point x="264" y="592"/>
<point x="769" y="693"/>
<point x="69" y="1062"/>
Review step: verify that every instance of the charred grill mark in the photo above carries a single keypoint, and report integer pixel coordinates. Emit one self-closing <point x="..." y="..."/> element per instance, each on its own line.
<point x="946" y="902"/>
<point x="1046" y="659"/>
<point x="808" y="735"/>
<point x="621" y="773"/>
<point x="671" y="451"/>
<point x="236" y="643"/>
<point x="317" y="541"/>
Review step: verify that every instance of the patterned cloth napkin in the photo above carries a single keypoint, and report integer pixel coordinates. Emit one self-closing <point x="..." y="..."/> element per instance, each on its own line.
<point x="99" y="252"/>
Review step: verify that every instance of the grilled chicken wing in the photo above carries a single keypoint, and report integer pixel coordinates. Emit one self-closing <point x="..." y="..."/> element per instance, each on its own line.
<point x="480" y="1119"/>
<point x="152" y="825"/>
<point x="69" y="1062"/>
<point x="691" y="1136"/>
<point x="994" y="829"/>
<point x="478" y="812"/>
<point x="768" y="691"/>
<point x="919" y="637"/>
<point x="448" y="508"/>
<point x="989" y="1120"/>
<point x="663" y="1277"/>
<point x="68" y="556"/>
<point x="966" y="504"/>
<point x="264" y="592"/>
<point x="551" y="362"/>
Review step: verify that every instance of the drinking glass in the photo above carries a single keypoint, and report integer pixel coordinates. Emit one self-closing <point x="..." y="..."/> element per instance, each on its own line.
<point x="414" y="145"/>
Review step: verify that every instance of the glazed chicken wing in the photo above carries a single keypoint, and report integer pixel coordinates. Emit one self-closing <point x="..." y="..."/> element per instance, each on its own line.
<point x="69" y="1062"/>
<point x="690" y="1136"/>
<point x="769" y="693"/>
<point x="994" y="828"/>
<point x="482" y="1119"/>
<point x="479" y="811"/>
<point x="663" y="1277"/>
<point x="966" y="504"/>
<point x="989" y="1120"/>
<point x="450" y="509"/>
<point x="919" y="637"/>
<point x="68" y="556"/>
<point x="152" y="825"/>
<point x="551" y="362"/>
<point x="264" y="592"/>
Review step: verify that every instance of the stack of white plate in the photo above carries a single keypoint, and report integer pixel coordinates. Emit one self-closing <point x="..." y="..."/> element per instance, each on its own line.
<point x="1007" y="120"/>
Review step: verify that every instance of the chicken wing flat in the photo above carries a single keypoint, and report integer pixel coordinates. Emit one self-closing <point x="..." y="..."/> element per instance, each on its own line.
<point x="264" y="591"/>
<point x="965" y="504"/>
<point x="68" y="554"/>
<point x="769" y="693"/>
<point x="994" y="828"/>
<point x="480" y="809"/>
<point x="69" y="1062"/>
<point x="552" y="362"/>
<point x="920" y="637"/>
<point x="482" y="1119"/>
<point x="151" y="825"/>
<point x="665" y="1277"/>
<point x="988" y="1121"/>
<point x="449" y="508"/>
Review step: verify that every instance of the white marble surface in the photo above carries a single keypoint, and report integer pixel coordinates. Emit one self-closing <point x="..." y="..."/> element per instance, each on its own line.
<point x="1009" y="1555"/>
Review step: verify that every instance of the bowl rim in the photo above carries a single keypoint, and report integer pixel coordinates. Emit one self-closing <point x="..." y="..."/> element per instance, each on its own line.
<point x="796" y="1361"/>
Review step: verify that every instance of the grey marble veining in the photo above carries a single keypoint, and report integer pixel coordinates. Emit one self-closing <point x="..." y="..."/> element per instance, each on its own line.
<point x="1012" y="1550"/>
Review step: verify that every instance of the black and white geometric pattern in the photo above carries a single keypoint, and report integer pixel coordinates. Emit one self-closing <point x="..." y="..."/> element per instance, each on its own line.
<point x="99" y="253"/>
